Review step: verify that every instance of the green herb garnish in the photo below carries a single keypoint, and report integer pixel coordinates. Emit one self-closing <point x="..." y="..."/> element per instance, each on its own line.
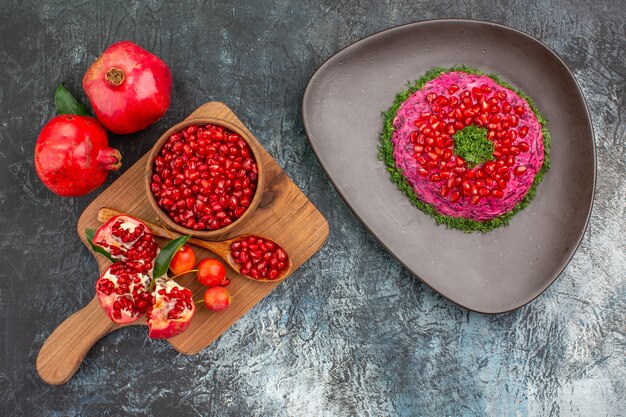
<point x="471" y="144"/>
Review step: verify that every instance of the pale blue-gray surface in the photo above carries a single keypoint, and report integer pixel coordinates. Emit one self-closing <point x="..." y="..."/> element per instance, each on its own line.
<point x="351" y="333"/>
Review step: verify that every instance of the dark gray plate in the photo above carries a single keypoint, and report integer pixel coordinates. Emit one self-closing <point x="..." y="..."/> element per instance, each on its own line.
<point x="491" y="273"/>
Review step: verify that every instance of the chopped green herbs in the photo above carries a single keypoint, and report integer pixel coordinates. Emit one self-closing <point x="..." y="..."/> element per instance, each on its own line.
<point x="471" y="144"/>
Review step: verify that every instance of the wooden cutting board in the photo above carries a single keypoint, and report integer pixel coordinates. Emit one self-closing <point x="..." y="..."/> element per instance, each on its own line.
<point x="284" y="215"/>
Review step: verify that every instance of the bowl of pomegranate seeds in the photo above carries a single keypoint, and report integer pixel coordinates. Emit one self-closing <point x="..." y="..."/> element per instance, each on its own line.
<point x="204" y="177"/>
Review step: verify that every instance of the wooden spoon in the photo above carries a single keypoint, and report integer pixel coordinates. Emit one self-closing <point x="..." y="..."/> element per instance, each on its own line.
<point x="220" y="248"/>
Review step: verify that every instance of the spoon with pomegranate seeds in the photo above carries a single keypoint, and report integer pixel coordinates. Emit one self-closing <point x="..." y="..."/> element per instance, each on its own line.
<point x="255" y="257"/>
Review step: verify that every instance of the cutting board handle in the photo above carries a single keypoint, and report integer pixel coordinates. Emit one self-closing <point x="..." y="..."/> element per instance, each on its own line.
<point x="64" y="350"/>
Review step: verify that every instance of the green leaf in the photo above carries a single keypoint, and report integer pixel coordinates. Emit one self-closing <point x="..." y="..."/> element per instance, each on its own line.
<point x="162" y="262"/>
<point x="66" y="103"/>
<point x="89" y="234"/>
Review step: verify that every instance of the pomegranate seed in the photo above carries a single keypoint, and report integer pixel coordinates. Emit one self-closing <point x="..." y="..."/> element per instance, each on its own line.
<point x="518" y="110"/>
<point x="519" y="171"/>
<point x="523" y="131"/>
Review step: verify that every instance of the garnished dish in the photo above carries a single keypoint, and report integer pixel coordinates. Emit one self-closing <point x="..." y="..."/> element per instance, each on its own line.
<point x="466" y="148"/>
<point x="204" y="177"/>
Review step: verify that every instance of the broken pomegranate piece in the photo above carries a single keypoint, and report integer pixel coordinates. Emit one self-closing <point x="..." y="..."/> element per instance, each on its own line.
<point x="123" y="293"/>
<point x="128" y="239"/>
<point x="171" y="310"/>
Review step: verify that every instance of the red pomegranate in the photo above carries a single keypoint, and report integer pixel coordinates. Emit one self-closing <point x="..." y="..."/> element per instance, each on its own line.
<point x="129" y="88"/>
<point x="123" y="289"/>
<point x="72" y="155"/>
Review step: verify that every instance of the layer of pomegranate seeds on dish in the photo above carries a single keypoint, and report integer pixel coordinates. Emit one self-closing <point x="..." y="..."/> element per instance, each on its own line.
<point x="469" y="147"/>
<point x="204" y="177"/>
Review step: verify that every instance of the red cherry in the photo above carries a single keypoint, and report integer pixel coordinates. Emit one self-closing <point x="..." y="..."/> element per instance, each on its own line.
<point x="184" y="260"/>
<point x="211" y="272"/>
<point x="217" y="299"/>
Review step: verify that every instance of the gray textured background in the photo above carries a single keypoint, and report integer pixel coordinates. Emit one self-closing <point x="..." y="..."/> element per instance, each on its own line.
<point x="351" y="333"/>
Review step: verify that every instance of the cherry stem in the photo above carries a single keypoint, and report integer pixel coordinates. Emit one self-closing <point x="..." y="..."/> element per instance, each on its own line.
<point x="198" y="301"/>
<point x="165" y="228"/>
<point x="181" y="274"/>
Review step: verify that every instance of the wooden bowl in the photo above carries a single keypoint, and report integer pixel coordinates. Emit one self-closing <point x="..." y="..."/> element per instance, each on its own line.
<point x="205" y="234"/>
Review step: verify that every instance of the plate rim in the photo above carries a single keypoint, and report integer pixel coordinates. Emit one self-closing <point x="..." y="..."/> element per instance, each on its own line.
<point x="589" y="207"/>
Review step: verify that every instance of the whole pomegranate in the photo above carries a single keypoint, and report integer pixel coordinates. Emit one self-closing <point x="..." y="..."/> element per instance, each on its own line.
<point x="72" y="155"/>
<point x="129" y="88"/>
